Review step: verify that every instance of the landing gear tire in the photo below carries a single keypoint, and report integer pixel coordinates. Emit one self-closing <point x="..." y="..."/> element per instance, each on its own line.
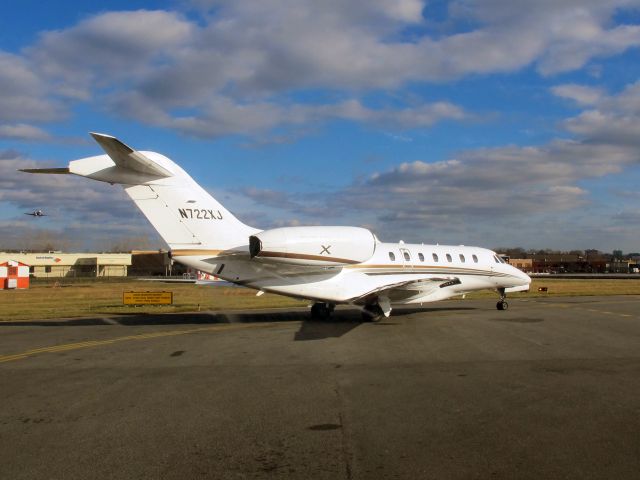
<point x="502" y="303"/>
<point x="321" y="311"/>
<point x="372" y="313"/>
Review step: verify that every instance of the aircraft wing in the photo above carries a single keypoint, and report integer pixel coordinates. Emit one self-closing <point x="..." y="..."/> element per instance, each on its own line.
<point x="409" y="288"/>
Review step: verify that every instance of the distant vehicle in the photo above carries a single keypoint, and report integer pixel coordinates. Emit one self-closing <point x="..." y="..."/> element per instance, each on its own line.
<point x="328" y="265"/>
<point x="37" y="213"/>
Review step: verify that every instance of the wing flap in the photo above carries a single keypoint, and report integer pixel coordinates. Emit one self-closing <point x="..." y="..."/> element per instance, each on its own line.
<point x="408" y="288"/>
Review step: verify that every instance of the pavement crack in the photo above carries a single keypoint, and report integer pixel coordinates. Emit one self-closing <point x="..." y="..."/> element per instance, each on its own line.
<point x="345" y="444"/>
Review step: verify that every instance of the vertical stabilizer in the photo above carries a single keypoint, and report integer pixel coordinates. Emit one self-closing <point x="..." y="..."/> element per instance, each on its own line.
<point x="182" y="212"/>
<point x="186" y="216"/>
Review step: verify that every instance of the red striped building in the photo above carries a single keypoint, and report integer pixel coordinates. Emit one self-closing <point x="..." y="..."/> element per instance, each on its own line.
<point x="14" y="275"/>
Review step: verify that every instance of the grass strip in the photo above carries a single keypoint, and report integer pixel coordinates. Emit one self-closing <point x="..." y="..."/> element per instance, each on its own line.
<point x="104" y="298"/>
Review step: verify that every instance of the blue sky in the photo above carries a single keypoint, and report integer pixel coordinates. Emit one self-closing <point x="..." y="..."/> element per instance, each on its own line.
<point x="494" y="123"/>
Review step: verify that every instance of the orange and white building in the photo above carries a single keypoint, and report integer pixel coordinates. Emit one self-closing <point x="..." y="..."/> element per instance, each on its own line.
<point x="14" y="274"/>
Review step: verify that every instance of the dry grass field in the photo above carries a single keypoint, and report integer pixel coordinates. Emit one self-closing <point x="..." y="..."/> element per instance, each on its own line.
<point x="96" y="297"/>
<point x="90" y="298"/>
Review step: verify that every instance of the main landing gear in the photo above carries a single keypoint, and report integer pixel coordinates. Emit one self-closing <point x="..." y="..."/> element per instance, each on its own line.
<point x="372" y="313"/>
<point x="321" y="311"/>
<point x="502" y="303"/>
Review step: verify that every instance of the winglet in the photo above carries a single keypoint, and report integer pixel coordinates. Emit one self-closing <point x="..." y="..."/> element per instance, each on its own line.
<point x="128" y="158"/>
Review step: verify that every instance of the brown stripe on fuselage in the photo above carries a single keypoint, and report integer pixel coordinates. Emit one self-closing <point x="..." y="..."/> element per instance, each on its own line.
<point x="302" y="256"/>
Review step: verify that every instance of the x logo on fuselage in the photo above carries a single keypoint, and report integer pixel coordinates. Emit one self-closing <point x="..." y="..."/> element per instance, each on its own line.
<point x="325" y="250"/>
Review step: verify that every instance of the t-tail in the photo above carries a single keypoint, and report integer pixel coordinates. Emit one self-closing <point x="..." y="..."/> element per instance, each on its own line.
<point x="183" y="213"/>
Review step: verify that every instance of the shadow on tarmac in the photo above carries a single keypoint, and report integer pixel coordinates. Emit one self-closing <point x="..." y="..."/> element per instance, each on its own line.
<point x="341" y="322"/>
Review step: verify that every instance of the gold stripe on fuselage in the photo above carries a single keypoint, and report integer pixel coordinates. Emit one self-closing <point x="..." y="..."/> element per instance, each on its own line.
<point x="304" y="256"/>
<point x="423" y="269"/>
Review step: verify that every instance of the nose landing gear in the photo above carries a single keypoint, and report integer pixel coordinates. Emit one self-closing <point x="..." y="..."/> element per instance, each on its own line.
<point x="502" y="303"/>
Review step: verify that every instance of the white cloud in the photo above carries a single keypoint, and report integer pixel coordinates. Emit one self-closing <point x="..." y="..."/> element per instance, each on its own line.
<point x="523" y="192"/>
<point x="242" y="67"/>
<point x="223" y="116"/>
<point x="580" y="94"/>
<point x="611" y="119"/>
<point x="235" y="69"/>
<point x="578" y="47"/>
<point x="109" y="46"/>
<point x="23" y="94"/>
<point x="486" y="182"/>
<point x="22" y="131"/>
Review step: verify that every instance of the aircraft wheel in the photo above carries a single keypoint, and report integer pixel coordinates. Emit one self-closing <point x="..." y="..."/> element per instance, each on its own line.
<point x="502" y="305"/>
<point x="320" y="311"/>
<point x="372" y="313"/>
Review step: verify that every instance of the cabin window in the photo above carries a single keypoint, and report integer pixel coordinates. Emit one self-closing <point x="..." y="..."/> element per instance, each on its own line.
<point x="47" y="269"/>
<point x="462" y="258"/>
<point x="449" y="259"/>
<point x="406" y="256"/>
<point x="421" y="257"/>
<point x="475" y="258"/>
<point x="392" y="257"/>
<point x="435" y="257"/>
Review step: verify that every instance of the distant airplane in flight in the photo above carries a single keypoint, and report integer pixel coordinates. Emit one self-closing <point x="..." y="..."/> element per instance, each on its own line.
<point x="325" y="264"/>
<point x="37" y="213"/>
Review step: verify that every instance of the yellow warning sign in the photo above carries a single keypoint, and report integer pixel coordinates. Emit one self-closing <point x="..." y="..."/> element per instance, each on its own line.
<point x="147" y="298"/>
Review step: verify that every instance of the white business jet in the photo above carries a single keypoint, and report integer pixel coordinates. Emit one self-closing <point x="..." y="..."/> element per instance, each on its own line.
<point x="328" y="265"/>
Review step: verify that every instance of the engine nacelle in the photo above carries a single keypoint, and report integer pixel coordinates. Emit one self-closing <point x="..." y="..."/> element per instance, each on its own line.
<point x="313" y="246"/>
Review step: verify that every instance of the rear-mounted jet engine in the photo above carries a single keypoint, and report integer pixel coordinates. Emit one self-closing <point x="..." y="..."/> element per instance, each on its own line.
<point x="313" y="246"/>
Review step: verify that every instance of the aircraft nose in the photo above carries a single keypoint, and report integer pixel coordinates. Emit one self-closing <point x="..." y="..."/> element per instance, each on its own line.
<point x="526" y="279"/>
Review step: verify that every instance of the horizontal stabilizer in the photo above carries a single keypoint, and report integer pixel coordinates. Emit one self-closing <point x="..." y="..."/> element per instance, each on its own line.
<point x="127" y="158"/>
<point x="55" y="171"/>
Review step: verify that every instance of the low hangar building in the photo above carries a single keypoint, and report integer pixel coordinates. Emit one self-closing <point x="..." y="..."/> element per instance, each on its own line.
<point x="58" y="265"/>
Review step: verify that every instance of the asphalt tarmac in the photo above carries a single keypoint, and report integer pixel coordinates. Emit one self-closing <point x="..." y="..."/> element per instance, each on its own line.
<point x="548" y="389"/>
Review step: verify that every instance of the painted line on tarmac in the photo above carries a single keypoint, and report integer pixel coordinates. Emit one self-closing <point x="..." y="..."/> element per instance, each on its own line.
<point x="580" y="307"/>
<point x="145" y="336"/>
